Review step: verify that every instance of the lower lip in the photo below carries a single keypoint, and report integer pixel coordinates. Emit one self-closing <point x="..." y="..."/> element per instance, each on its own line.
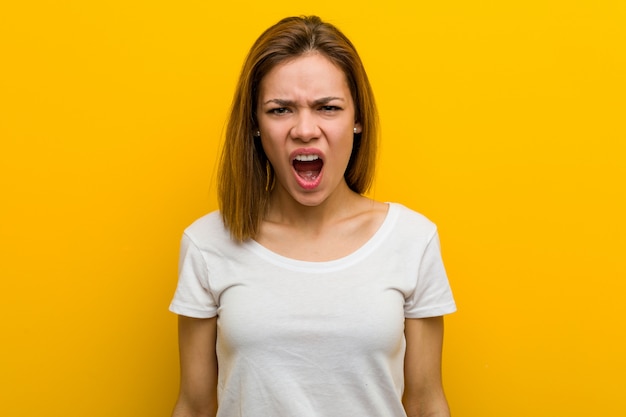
<point x="308" y="185"/>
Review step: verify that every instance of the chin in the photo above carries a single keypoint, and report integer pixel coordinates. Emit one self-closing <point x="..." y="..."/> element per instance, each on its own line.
<point x="310" y="199"/>
<point x="310" y="202"/>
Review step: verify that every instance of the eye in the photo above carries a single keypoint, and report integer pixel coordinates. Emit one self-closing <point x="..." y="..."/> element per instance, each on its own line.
<point x="330" y="109"/>
<point x="278" y="110"/>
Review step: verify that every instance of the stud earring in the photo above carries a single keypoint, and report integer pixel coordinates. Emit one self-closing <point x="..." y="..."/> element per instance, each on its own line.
<point x="257" y="133"/>
<point x="355" y="130"/>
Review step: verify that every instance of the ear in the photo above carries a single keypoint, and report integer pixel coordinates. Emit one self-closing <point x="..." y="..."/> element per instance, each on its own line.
<point x="357" y="127"/>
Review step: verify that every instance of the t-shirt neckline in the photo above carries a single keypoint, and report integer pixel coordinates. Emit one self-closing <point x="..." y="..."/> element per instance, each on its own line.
<point x="325" y="266"/>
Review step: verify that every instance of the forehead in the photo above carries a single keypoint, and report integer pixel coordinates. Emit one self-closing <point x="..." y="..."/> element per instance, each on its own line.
<point x="312" y="73"/>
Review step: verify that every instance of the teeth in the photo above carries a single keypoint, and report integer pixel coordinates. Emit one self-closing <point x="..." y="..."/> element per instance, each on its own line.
<point x="307" y="158"/>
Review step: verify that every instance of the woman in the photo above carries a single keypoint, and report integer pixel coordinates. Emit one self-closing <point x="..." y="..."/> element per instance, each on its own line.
<point x="301" y="297"/>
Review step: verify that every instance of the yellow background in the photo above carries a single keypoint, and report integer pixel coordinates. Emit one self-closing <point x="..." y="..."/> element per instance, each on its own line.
<point x="504" y="122"/>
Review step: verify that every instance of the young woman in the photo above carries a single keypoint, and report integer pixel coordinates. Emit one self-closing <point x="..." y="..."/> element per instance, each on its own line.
<point x="301" y="297"/>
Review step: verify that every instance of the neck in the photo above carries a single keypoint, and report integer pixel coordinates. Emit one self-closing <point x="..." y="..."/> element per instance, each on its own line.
<point x="285" y="210"/>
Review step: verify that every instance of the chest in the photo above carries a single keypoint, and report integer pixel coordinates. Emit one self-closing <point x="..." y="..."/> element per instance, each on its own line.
<point x="315" y="314"/>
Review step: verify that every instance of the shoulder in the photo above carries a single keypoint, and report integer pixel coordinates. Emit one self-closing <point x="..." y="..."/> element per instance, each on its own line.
<point x="208" y="230"/>
<point x="410" y="221"/>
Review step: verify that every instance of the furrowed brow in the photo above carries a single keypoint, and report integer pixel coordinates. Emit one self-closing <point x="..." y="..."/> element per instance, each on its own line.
<point x="326" y="100"/>
<point x="280" y="102"/>
<point x="289" y="103"/>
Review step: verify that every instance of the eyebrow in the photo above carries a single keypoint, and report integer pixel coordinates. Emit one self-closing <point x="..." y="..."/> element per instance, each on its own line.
<point x="318" y="102"/>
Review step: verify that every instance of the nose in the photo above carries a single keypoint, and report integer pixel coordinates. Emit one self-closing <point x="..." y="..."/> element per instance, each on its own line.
<point x="306" y="127"/>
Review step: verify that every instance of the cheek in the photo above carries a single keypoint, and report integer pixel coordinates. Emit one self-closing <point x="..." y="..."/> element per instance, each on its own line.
<point x="273" y="152"/>
<point x="267" y="148"/>
<point x="346" y="142"/>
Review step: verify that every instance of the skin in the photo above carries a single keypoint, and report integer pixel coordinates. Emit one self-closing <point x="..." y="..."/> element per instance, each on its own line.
<point x="423" y="390"/>
<point x="198" y="368"/>
<point x="305" y="106"/>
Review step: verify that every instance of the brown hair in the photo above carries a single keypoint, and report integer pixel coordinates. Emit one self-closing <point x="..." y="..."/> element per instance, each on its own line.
<point x="243" y="175"/>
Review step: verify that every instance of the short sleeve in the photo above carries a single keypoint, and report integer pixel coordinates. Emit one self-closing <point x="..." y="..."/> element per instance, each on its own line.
<point x="193" y="297"/>
<point x="432" y="295"/>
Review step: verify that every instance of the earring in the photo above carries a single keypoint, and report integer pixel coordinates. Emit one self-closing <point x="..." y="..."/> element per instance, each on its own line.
<point x="269" y="179"/>
<point x="257" y="134"/>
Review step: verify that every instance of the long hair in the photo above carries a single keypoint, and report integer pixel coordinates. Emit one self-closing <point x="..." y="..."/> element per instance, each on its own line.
<point x="243" y="174"/>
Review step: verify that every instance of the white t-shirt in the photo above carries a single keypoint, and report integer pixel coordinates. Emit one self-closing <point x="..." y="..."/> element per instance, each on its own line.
<point x="312" y="339"/>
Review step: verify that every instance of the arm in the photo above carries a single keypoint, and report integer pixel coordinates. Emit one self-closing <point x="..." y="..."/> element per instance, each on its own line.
<point x="198" y="368"/>
<point x="423" y="391"/>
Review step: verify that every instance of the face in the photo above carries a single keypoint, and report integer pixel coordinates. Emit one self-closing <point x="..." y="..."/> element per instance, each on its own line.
<point x="306" y="117"/>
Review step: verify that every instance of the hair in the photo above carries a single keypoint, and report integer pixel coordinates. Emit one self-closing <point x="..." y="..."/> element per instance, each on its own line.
<point x="244" y="172"/>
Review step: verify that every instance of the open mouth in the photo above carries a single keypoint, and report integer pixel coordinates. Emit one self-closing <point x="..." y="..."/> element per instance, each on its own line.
<point x="308" y="167"/>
